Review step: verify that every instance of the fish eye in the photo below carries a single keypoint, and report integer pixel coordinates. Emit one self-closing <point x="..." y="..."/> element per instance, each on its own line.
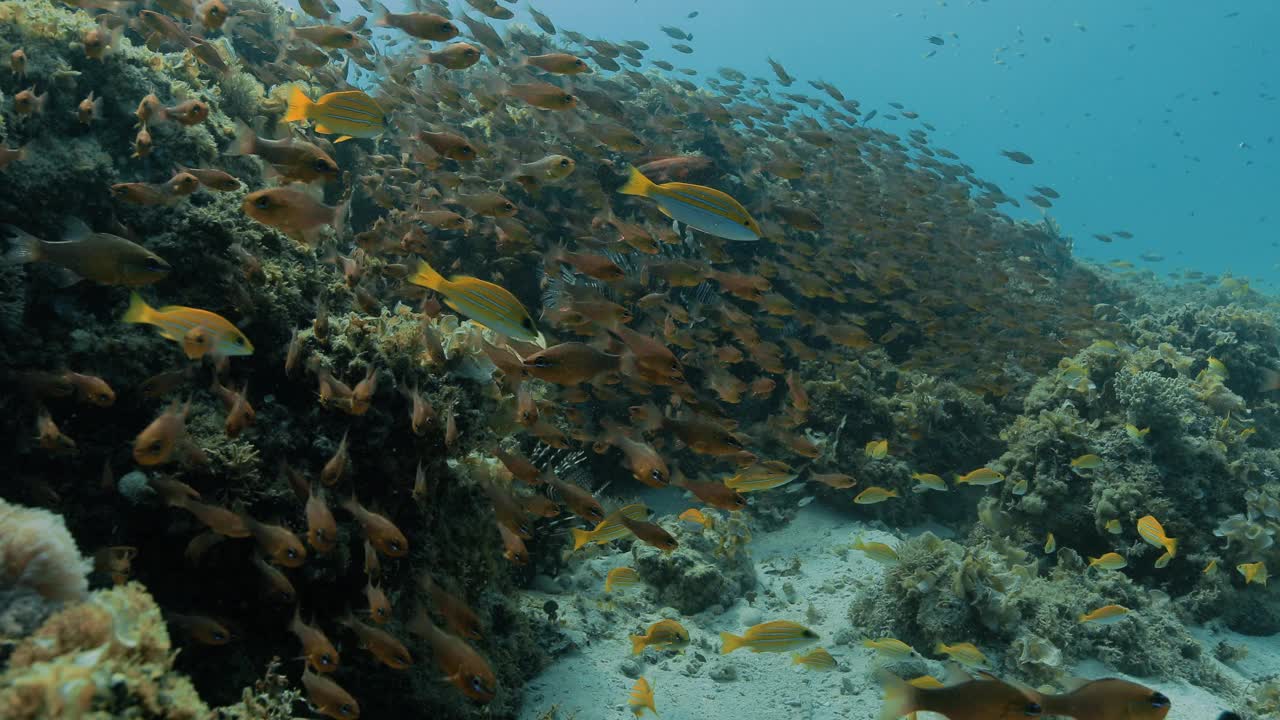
<point x="656" y="474"/>
<point x="446" y="27"/>
<point x="348" y="36"/>
<point x="218" y="636"/>
<point x="564" y="162"/>
<point x="477" y="683"/>
<point x="326" y="660"/>
<point x="542" y="362"/>
<point x="155" y="447"/>
<point x="527" y="324"/>
<point x="1159" y="700"/>
<point x="153" y="264"/>
<point x="346" y="709"/>
<point x="291" y="553"/>
<point x="262" y="202"/>
<point x="508" y="206"/>
<point x="569" y="98"/>
<point x="394" y="545"/>
<point x="1031" y="710"/>
<point x="321" y="165"/>
<point x="239" y="341"/>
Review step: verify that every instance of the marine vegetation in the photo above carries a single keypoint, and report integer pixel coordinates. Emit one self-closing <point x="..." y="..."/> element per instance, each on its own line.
<point x="356" y="339"/>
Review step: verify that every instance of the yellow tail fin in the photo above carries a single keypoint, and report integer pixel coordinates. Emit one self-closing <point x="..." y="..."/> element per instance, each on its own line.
<point x="1172" y="547"/>
<point x="139" y="311"/>
<point x="899" y="696"/>
<point x="299" y="104"/>
<point x="580" y="538"/>
<point x="731" y="642"/>
<point x="637" y="183"/>
<point x="427" y="277"/>
<point x="638" y="644"/>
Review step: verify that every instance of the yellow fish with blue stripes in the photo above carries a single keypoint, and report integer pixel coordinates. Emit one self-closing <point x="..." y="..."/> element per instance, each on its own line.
<point x="490" y="305"/>
<point x="774" y="636"/>
<point x="350" y="114"/>
<point x="199" y="332"/>
<point x="703" y="208"/>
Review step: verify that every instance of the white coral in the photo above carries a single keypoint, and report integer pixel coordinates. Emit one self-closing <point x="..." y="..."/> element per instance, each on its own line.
<point x="37" y="551"/>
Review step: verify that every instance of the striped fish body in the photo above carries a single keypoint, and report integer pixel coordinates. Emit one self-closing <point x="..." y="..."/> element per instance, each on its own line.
<point x="706" y="209"/>
<point x="483" y="302"/>
<point x="611" y="528"/>
<point x="350" y="113"/>
<point x="816" y="659"/>
<point x="1151" y="531"/>
<point x="218" y="337"/>
<point x="621" y="578"/>
<point x="775" y="636"/>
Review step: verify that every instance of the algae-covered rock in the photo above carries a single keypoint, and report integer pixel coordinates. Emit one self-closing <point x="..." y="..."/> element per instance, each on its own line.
<point x="700" y="573"/>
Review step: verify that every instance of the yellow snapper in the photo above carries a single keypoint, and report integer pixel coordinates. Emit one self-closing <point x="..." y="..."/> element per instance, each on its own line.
<point x="880" y="552"/>
<point x="816" y="659"/>
<point x="981" y="476"/>
<point x="877" y="449"/>
<point x="966" y="654"/>
<point x="611" y="528"/>
<point x="485" y="303"/>
<point x="928" y="481"/>
<point x="873" y="495"/>
<point x="1086" y="462"/>
<point x="761" y="476"/>
<point x="1135" y="432"/>
<point x="890" y="648"/>
<point x="774" y="636"/>
<point x="1109" y="561"/>
<point x="350" y="114"/>
<point x="1151" y="531"/>
<point x="703" y="208"/>
<point x="642" y="698"/>
<point x="1105" y="615"/>
<point x="621" y="577"/>
<point x="200" y="332"/>
<point x="1255" y="572"/>
<point x="667" y="634"/>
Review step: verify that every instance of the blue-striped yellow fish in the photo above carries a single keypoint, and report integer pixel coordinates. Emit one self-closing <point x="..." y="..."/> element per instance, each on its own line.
<point x="350" y="114"/>
<point x="200" y="332"/>
<point x="1151" y="531"/>
<point x="773" y="636"/>
<point x="816" y="659"/>
<point x="1105" y="615"/>
<point x="642" y="698"/>
<point x="621" y="577"/>
<point x="611" y="528"/>
<point x="488" y="304"/>
<point x="703" y="208"/>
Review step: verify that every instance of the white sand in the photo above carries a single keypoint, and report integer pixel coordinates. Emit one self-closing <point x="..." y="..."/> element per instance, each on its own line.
<point x="590" y="682"/>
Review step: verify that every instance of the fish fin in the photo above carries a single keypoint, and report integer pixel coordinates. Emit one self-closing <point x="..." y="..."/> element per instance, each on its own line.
<point x="731" y="642"/>
<point x="637" y="183"/>
<point x="66" y="277"/>
<point x="638" y="644"/>
<point x="73" y="228"/>
<point x="246" y="140"/>
<point x="580" y="537"/>
<point x="1172" y="547"/>
<point x="344" y="138"/>
<point x="380" y="15"/>
<point x="899" y="696"/>
<point x="427" y="277"/>
<point x="299" y="104"/>
<point x="139" y="311"/>
<point x="26" y="247"/>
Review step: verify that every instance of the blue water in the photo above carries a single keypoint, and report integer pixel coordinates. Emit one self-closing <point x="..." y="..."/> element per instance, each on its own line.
<point x="1135" y="112"/>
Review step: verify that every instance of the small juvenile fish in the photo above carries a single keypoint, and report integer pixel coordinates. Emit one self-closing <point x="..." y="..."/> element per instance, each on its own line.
<point x="1254" y="572"/>
<point x="880" y="552"/>
<point x="873" y="495"/>
<point x="160" y="441"/>
<point x="200" y="332"/>
<point x="1113" y="526"/>
<point x="774" y="636"/>
<point x="966" y="654"/>
<point x="890" y="648"/>
<point x="1105" y="615"/>
<point x="981" y="477"/>
<point x="641" y="698"/>
<point x="203" y="629"/>
<point x="928" y="481"/>
<point x="664" y="634"/>
<point x="1109" y="561"/>
<point x="877" y="449"/>
<point x="817" y="659"/>
<point x="1050" y="544"/>
<point x="702" y="208"/>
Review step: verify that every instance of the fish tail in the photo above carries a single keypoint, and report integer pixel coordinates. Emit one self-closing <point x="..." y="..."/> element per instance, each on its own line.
<point x="638" y="644"/>
<point x="381" y="14"/>
<point x="340" y="215"/>
<point x="427" y="277"/>
<point x="899" y="696"/>
<point x="637" y="183"/>
<point x="580" y="537"/>
<point x="1171" y="544"/>
<point x="139" y="311"/>
<point x="731" y="642"/>
<point x="26" y="247"/>
<point x="246" y="142"/>
<point x="299" y="104"/>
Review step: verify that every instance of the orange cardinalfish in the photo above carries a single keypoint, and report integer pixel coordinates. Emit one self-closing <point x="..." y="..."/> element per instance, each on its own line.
<point x="520" y="467"/>
<point x="295" y="213"/>
<point x="328" y="698"/>
<point x="715" y="494"/>
<point x="460" y="663"/>
<point x="381" y="532"/>
<point x="650" y="533"/>
<point x="380" y="643"/>
<point x="645" y="463"/>
<point x="570" y="363"/>
<point x="316" y="648"/>
<point x="165" y="437"/>
<point x="458" y="616"/>
<point x="703" y="208"/>
<point x="277" y="543"/>
<point x="379" y="605"/>
<point x="200" y="332"/>
<point x="701" y="435"/>
<point x="579" y="501"/>
<point x="1106" y="699"/>
<point x="201" y="628"/>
